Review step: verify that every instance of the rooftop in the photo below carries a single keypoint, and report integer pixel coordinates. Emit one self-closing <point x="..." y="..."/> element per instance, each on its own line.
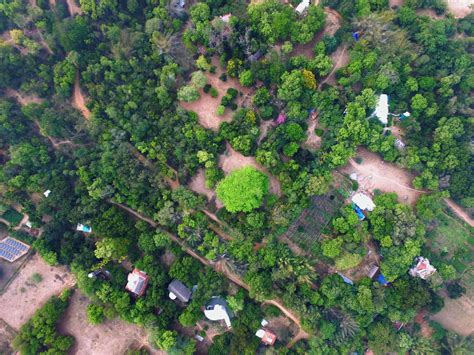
<point x="179" y="290"/>
<point x="268" y="337"/>
<point x="12" y="249"/>
<point x="216" y="310"/>
<point x="137" y="282"/>
<point x="381" y="110"/>
<point x="363" y="201"/>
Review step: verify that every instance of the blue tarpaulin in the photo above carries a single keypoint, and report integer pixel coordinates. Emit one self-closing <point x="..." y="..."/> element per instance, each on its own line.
<point x="381" y="280"/>
<point x="355" y="35"/>
<point x="358" y="211"/>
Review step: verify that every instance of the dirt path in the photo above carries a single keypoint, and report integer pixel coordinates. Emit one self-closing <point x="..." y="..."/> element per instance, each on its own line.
<point x="78" y="101"/>
<point x="341" y="58"/>
<point x="217" y="266"/>
<point x="265" y="126"/>
<point x="74" y="9"/>
<point x="206" y="106"/>
<point x="198" y="184"/>
<point x="373" y="173"/>
<point x="459" y="212"/>
<point x="23" y="99"/>
<point x="313" y="141"/>
<point x="232" y="160"/>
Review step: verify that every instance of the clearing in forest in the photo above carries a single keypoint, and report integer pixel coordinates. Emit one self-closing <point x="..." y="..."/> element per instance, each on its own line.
<point x="232" y="160"/>
<point x="313" y="141"/>
<point x="460" y="8"/>
<point x="375" y="174"/>
<point x="23" y="296"/>
<point x="206" y="106"/>
<point x="111" y="337"/>
<point x="78" y="100"/>
<point x="198" y="184"/>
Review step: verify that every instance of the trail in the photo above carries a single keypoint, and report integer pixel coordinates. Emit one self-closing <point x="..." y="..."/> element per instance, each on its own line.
<point x="78" y="98"/>
<point x="459" y="212"/>
<point x="217" y="266"/>
<point x="341" y="61"/>
<point x="73" y="8"/>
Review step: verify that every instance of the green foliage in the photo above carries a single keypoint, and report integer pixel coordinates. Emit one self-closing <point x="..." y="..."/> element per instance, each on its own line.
<point x="95" y="314"/>
<point x="188" y="93"/>
<point x="243" y="189"/>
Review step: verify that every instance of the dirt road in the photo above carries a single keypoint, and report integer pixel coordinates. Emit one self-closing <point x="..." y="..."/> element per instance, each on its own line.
<point x="341" y="58"/>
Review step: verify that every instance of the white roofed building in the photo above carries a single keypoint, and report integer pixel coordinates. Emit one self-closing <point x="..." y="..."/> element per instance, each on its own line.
<point x="302" y="6"/>
<point x="216" y="310"/>
<point x="363" y="201"/>
<point x="381" y="110"/>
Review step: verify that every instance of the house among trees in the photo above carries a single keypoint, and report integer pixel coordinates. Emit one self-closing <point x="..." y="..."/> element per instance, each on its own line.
<point x="83" y="228"/>
<point x="399" y="144"/>
<point x="381" y="109"/>
<point x="363" y="201"/>
<point x="423" y="268"/>
<point x="137" y="282"/>
<point x="217" y="310"/>
<point x="268" y="337"/>
<point x="179" y="291"/>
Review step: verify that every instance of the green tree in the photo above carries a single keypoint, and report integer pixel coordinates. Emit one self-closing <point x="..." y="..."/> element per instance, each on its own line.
<point x="243" y="189"/>
<point x="188" y="93"/>
<point x="95" y="314"/>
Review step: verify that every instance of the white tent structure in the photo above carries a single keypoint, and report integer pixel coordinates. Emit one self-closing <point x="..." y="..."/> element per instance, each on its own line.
<point x="381" y="110"/>
<point x="302" y="6"/>
<point x="363" y="201"/>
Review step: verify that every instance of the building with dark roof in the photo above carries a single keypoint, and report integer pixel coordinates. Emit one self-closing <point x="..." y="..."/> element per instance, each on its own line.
<point x="216" y="310"/>
<point x="179" y="291"/>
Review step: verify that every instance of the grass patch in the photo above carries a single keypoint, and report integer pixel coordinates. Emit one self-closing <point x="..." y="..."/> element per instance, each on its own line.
<point x="36" y="278"/>
<point x="12" y="216"/>
<point x="450" y="236"/>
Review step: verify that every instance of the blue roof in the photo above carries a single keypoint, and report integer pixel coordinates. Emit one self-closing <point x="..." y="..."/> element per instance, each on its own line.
<point x="381" y="280"/>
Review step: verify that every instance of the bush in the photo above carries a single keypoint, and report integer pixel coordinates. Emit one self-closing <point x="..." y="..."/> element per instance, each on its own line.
<point x="358" y="160"/>
<point x="36" y="278"/>
<point x="188" y="94"/>
<point x="232" y="93"/>
<point x="207" y="88"/>
<point x="223" y="77"/>
<point x="198" y="79"/>
<point x="213" y="92"/>
<point x="455" y="290"/>
<point x="213" y="70"/>
<point x="246" y="78"/>
<point x="95" y="314"/>
<point x="271" y="311"/>
<point x="220" y="110"/>
<point x="319" y="132"/>
<point x="233" y="106"/>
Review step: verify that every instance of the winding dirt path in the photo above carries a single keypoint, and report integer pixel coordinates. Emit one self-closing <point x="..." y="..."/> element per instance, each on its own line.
<point x="78" y="100"/>
<point x="74" y="9"/>
<point x="459" y="212"/>
<point x="341" y="58"/>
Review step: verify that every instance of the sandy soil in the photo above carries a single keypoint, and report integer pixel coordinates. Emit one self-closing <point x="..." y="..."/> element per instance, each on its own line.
<point x="313" y="142"/>
<point x="341" y="58"/>
<point x="78" y="100"/>
<point x="232" y="160"/>
<point x="23" y="297"/>
<point x="460" y="8"/>
<point x="425" y="329"/>
<point x="206" y="106"/>
<point x="109" y="338"/>
<point x="198" y="184"/>
<point x="373" y="173"/>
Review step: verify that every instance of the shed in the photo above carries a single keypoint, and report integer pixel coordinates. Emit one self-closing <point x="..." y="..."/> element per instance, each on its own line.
<point x="372" y="271"/>
<point x="179" y="290"/>
<point x="137" y="282"/>
<point x="381" y="109"/>
<point x="83" y="228"/>
<point x="363" y="201"/>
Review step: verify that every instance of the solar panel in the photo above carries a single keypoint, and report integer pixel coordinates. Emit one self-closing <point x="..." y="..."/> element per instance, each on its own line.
<point x="11" y="249"/>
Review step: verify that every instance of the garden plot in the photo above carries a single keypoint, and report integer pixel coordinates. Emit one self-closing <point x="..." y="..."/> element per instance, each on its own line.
<point x="311" y="224"/>
<point x="26" y="293"/>
<point x="109" y="338"/>
<point x="206" y="106"/>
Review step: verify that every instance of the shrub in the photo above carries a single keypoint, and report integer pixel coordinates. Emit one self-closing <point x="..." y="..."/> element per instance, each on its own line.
<point x="199" y="79"/>
<point x="95" y="314"/>
<point x="36" y="278"/>
<point x="233" y="106"/>
<point x="358" y="160"/>
<point x="207" y="88"/>
<point x="213" y="92"/>
<point x="220" y="110"/>
<point x="213" y="69"/>
<point x="319" y="132"/>
<point x="223" y="77"/>
<point x="232" y="93"/>
<point x="188" y="94"/>
<point x="455" y="290"/>
<point x="246" y="78"/>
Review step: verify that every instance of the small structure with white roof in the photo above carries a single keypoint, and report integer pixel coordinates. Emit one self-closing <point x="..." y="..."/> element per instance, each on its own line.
<point x="381" y="109"/>
<point x="302" y="6"/>
<point x="423" y="269"/>
<point x="136" y="282"/>
<point x="226" y="17"/>
<point x="178" y="290"/>
<point x="216" y="310"/>
<point x="46" y="193"/>
<point x="83" y="228"/>
<point x="363" y="201"/>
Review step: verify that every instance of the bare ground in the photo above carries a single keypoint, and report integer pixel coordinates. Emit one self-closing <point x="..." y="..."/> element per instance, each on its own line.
<point x="397" y="3"/>
<point x="460" y="8"/>
<point x="313" y="141"/>
<point x="78" y="100"/>
<point x="265" y="127"/>
<point x="74" y="9"/>
<point x="425" y="329"/>
<point x="198" y="184"/>
<point x="373" y="173"/>
<point x="341" y="58"/>
<point x="23" y="296"/>
<point x="22" y="98"/>
<point x="333" y="23"/>
<point x="459" y="212"/>
<point x="109" y="338"/>
<point x="206" y="105"/>
<point x="232" y="160"/>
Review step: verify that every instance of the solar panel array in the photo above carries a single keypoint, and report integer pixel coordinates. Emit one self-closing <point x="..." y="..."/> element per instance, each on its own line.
<point x="11" y="249"/>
